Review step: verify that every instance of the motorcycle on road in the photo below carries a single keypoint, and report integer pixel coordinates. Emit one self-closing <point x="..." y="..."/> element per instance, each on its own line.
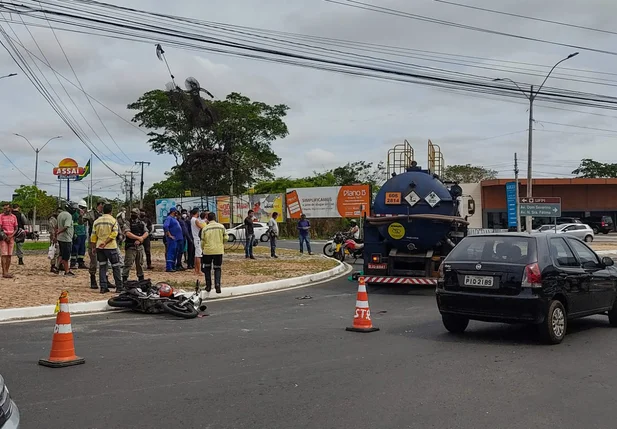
<point x="145" y="297"/>
<point x="340" y="245"/>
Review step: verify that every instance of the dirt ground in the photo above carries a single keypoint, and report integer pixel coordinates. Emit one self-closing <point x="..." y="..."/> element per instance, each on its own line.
<point x="34" y="285"/>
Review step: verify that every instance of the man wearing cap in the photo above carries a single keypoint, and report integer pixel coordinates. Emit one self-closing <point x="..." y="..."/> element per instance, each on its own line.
<point x="173" y="233"/>
<point x="90" y="217"/>
<point x="103" y="240"/>
<point x="135" y="233"/>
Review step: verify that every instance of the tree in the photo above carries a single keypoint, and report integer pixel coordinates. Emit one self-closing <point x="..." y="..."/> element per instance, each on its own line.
<point x="236" y="148"/>
<point x="468" y="173"/>
<point x="590" y="169"/>
<point x="27" y="196"/>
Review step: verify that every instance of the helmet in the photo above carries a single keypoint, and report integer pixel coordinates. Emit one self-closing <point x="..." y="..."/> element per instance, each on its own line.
<point x="82" y="204"/>
<point x="165" y="290"/>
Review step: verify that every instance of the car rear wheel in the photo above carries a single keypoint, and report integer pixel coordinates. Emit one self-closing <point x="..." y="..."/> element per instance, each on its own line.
<point x="231" y="238"/>
<point x="595" y="230"/>
<point x="455" y="324"/>
<point x="553" y="329"/>
<point x="612" y="315"/>
<point x="588" y="238"/>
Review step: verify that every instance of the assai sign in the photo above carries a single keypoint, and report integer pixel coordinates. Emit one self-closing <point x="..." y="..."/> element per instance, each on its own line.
<point x="68" y="167"/>
<point x="541" y="206"/>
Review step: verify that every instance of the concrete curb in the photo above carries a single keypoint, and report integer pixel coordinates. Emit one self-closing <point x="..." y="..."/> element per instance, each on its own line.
<point x="607" y="252"/>
<point x="97" y="306"/>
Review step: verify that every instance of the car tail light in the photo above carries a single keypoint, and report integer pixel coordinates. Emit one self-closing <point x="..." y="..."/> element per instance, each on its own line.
<point x="532" y="277"/>
<point x="603" y="223"/>
<point x="376" y="258"/>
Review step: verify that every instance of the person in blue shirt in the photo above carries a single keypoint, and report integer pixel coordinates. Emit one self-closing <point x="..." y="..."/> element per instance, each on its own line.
<point x="303" y="233"/>
<point x="173" y="233"/>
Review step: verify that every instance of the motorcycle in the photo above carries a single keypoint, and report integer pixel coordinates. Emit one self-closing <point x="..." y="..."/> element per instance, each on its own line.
<point x="144" y="297"/>
<point x="330" y="248"/>
<point x="350" y="247"/>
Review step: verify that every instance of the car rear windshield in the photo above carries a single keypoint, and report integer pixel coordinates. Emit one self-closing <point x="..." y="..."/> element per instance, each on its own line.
<point x="515" y="250"/>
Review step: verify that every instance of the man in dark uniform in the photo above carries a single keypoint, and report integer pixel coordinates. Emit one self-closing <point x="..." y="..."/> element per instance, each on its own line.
<point x="145" y="219"/>
<point x="135" y="233"/>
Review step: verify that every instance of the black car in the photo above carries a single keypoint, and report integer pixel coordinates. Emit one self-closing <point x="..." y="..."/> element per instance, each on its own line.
<point x="9" y="414"/>
<point x="603" y="224"/>
<point x="539" y="279"/>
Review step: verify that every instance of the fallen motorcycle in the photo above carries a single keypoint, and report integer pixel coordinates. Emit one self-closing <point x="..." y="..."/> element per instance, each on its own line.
<point x="350" y="247"/>
<point x="147" y="298"/>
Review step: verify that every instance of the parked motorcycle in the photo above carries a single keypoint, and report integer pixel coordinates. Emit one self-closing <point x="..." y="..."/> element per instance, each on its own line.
<point x="330" y="248"/>
<point x="145" y="297"/>
<point x="349" y="247"/>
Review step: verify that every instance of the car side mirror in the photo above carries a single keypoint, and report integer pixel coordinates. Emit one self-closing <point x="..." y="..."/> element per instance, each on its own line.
<point x="607" y="262"/>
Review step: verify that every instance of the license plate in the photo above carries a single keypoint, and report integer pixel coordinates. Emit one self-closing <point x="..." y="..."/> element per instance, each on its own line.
<point x="479" y="281"/>
<point x="378" y="266"/>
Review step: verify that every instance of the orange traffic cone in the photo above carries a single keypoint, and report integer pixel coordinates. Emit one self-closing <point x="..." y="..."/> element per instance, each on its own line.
<point x="62" y="348"/>
<point x="362" y="318"/>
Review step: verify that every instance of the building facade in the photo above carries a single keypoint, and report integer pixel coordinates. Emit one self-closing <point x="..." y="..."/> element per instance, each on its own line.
<point x="579" y="198"/>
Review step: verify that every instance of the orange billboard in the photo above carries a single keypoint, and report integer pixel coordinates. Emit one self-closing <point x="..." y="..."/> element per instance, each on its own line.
<point x="68" y="167"/>
<point x="329" y="202"/>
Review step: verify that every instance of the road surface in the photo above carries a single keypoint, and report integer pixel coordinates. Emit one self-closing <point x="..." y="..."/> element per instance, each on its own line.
<point x="276" y="361"/>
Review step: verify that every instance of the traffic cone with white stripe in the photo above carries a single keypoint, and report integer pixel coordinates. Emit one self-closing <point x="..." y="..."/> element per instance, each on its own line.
<point x="62" y="347"/>
<point x="362" y="317"/>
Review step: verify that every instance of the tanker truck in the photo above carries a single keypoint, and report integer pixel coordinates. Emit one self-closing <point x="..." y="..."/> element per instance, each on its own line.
<point x="415" y="221"/>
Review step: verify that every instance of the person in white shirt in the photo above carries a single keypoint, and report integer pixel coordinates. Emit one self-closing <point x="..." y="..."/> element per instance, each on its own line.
<point x="273" y="233"/>
<point x="196" y="226"/>
<point x="354" y="231"/>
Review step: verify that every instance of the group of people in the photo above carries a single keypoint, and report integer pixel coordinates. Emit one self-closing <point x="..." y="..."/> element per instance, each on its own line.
<point x="75" y="232"/>
<point x="201" y="237"/>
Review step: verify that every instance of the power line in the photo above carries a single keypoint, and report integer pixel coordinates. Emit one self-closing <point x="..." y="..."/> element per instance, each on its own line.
<point x="548" y="21"/>
<point x="16" y="167"/>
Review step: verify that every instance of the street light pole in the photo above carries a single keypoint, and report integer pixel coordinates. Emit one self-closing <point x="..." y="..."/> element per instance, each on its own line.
<point x="36" y="171"/>
<point x="531" y="97"/>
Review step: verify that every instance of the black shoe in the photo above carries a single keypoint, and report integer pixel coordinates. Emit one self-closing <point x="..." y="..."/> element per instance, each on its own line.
<point x="252" y="257"/>
<point x="180" y="268"/>
<point x="105" y="290"/>
<point x="70" y="274"/>
<point x="275" y="257"/>
<point x="82" y="266"/>
<point x="208" y="288"/>
<point x="311" y="253"/>
<point x="170" y="271"/>
<point x="120" y="289"/>
<point x="21" y="261"/>
<point x="93" y="286"/>
<point x="149" y="268"/>
<point x="218" y="289"/>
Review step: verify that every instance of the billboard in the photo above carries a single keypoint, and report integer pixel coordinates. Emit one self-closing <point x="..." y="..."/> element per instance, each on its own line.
<point x="265" y="204"/>
<point x="328" y="202"/>
<point x="162" y="207"/>
<point x="201" y="203"/>
<point x="262" y="204"/>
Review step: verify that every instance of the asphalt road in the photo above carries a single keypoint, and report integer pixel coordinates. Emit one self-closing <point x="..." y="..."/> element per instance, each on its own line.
<point x="276" y="361"/>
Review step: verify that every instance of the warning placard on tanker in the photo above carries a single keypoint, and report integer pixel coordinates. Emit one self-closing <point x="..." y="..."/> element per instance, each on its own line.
<point x="393" y="197"/>
<point x="396" y="230"/>
<point x="328" y="202"/>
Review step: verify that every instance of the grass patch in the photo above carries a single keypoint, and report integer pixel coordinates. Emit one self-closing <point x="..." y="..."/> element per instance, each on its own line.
<point x="36" y="245"/>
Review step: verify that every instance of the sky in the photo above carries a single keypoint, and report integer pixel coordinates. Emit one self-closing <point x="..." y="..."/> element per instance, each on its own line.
<point x="333" y="118"/>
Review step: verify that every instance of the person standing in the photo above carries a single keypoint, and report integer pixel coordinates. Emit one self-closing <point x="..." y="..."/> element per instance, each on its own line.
<point x="103" y="240"/>
<point x="304" y="227"/>
<point x="90" y="218"/>
<point x="181" y="242"/>
<point x="9" y="225"/>
<point x="189" y="246"/>
<point x="213" y="239"/>
<point x="273" y="233"/>
<point x="249" y="232"/>
<point x="81" y="236"/>
<point x="147" y="242"/>
<point x="173" y="233"/>
<point x="22" y="221"/>
<point x="196" y="227"/>
<point x="136" y="233"/>
<point x="65" y="237"/>
<point x="53" y="241"/>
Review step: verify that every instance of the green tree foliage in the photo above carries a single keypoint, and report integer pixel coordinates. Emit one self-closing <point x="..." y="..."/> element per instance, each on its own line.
<point x="468" y="173"/>
<point x="207" y="153"/>
<point x="27" y="196"/>
<point x="590" y="169"/>
<point x="352" y="173"/>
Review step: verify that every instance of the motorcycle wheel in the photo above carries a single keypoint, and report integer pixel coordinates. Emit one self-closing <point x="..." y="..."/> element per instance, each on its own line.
<point x="121" y="301"/>
<point x="188" y="311"/>
<point x="328" y="250"/>
<point x="340" y="255"/>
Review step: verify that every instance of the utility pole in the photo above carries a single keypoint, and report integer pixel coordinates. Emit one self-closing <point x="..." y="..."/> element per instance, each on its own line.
<point x="129" y="184"/>
<point x="518" y="207"/>
<point x="532" y="97"/>
<point x="141" y="184"/>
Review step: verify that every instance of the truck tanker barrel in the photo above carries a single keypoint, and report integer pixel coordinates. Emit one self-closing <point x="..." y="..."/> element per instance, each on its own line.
<point x="415" y="221"/>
